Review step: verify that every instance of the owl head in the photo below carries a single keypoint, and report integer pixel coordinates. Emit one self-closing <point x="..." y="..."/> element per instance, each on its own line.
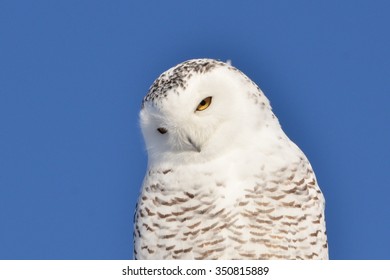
<point x="202" y="109"/>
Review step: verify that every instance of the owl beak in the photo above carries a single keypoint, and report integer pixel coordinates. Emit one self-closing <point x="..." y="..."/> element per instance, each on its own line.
<point x="196" y="147"/>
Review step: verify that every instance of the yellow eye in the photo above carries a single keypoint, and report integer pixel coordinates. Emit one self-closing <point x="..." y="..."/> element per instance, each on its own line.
<point x="204" y="104"/>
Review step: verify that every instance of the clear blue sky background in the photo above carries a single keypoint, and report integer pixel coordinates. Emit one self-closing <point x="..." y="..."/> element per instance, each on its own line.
<point x="73" y="74"/>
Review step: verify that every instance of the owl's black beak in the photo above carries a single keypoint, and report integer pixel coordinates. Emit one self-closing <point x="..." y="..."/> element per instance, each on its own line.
<point x="196" y="147"/>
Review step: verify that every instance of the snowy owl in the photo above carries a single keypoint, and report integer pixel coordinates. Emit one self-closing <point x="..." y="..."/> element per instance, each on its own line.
<point x="223" y="180"/>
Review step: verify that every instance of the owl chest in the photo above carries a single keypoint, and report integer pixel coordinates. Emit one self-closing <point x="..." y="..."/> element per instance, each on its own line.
<point x="207" y="214"/>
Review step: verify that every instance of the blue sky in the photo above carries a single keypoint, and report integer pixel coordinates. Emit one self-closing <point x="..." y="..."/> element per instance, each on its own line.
<point x="73" y="74"/>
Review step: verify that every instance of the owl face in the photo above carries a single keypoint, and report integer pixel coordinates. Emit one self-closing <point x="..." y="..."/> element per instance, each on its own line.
<point x="203" y="115"/>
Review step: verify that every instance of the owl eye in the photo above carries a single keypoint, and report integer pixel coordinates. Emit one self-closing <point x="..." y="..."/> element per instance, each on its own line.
<point x="204" y="104"/>
<point x="162" y="130"/>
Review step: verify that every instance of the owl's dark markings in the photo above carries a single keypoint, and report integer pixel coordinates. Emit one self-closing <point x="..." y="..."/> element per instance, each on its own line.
<point x="178" y="77"/>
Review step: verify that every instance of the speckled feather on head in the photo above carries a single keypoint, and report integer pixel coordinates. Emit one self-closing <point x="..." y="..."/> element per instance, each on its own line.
<point x="224" y="182"/>
<point x="178" y="76"/>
